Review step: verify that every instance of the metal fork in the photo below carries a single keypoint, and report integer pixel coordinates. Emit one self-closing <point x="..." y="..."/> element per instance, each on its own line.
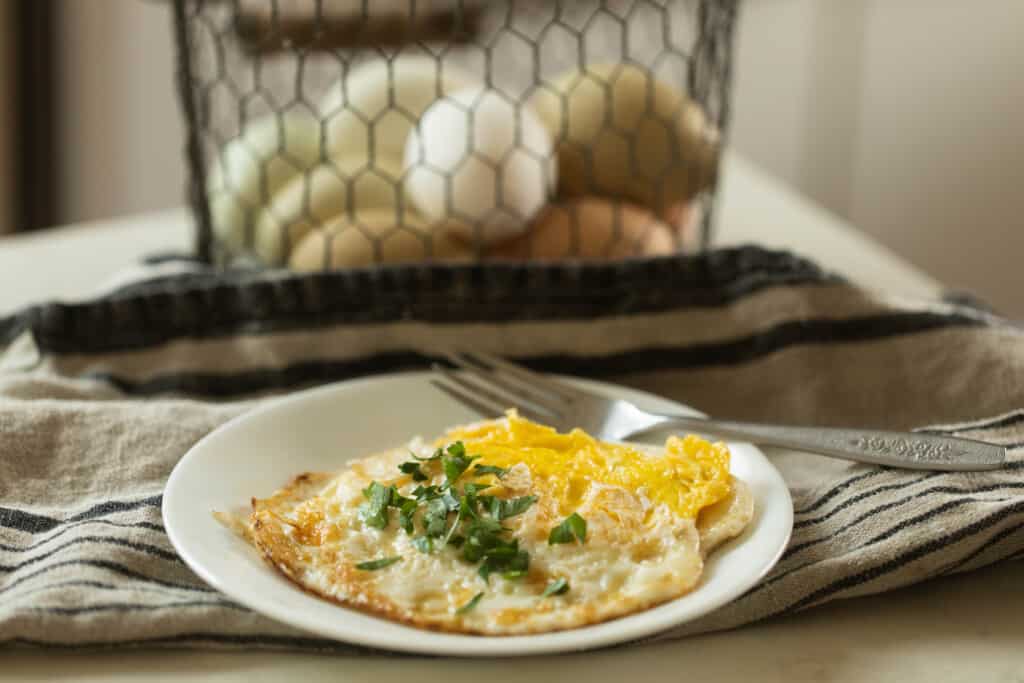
<point x="490" y="385"/>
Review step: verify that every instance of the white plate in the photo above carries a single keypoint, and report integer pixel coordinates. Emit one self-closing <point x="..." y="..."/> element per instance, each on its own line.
<point x="321" y="429"/>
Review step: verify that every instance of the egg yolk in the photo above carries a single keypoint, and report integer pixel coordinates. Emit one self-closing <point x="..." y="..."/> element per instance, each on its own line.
<point x="690" y="474"/>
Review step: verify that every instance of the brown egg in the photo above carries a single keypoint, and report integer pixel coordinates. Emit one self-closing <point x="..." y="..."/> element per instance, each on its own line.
<point x="684" y="218"/>
<point x="590" y="229"/>
<point x="374" y="236"/>
<point x="623" y="133"/>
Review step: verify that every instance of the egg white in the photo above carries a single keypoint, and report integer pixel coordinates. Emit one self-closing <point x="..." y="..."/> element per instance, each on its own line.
<point x="634" y="556"/>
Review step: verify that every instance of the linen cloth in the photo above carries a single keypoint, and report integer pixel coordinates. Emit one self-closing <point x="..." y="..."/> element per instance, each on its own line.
<point x="100" y="399"/>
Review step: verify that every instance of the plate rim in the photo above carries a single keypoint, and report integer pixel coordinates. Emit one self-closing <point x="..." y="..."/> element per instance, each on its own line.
<point x="614" y="631"/>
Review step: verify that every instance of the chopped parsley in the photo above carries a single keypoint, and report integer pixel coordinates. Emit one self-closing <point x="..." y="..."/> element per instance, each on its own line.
<point x="557" y="587"/>
<point x="435" y="519"/>
<point x="573" y="528"/>
<point x="375" y="510"/>
<point x="373" y="565"/>
<point x="475" y="532"/>
<point x="503" y="509"/>
<point x="450" y="501"/>
<point x="456" y="462"/>
<point x="422" y="493"/>
<point x="405" y="515"/>
<point x="473" y="489"/>
<point x="481" y="470"/>
<point x="413" y="469"/>
<point x="471" y="604"/>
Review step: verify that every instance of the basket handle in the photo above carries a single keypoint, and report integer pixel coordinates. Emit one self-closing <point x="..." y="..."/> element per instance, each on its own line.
<point x="263" y="31"/>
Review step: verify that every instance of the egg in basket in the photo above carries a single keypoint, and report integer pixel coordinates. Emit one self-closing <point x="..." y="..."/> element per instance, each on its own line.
<point x="409" y="157"/>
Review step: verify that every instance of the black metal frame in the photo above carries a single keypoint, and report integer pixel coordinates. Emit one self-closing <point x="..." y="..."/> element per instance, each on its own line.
<point x="716" y="19"/>
<point x="36" y="194"/>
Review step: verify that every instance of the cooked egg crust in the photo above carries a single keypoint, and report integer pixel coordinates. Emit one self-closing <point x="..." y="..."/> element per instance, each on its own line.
<point x="652" y="518"/>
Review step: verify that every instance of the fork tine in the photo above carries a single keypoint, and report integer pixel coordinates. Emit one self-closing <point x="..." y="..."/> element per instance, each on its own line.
<point x="525" y="375"/>
<point x="552" y="403"/>
<point x="480" y="399"/>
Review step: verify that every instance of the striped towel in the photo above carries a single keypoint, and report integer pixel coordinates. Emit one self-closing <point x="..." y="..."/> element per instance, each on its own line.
<point x="99" y="400"/>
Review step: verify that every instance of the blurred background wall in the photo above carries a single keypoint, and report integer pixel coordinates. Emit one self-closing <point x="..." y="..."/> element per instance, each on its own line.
<point x="905" y="117"/>
<point x="902" y="116"/>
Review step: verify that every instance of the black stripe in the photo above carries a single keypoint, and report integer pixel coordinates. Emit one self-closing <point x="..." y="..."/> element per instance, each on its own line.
<point x="895" y="563"/>
<point x="222" y="304"/>
<point x="945" y="507"/>
<point x="115" y="567"/>
<point x="823" y="331"/>
<point x="136" y="607"/>
<point x="258" y="639"/>
<point x="875" y="471"/>
<point x="105" y="522"/>
<point x="861" y="497"/>
<point x="995" y="540"/>
<point x="32" y="523"/>
<point x="913" y="521"/>
<point x="839" y="488"/>
<point x="800" y="547"/>
<point x="146" y="548"/>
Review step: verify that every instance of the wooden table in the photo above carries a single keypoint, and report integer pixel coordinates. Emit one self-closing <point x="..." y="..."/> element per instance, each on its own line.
<point x="968" y="628"/>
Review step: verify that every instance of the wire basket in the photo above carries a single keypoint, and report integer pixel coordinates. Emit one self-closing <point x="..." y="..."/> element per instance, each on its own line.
<point x="327" y="134"/>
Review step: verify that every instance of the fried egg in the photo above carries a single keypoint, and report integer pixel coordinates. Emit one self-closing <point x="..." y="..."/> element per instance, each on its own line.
<point x="517" y="492"/>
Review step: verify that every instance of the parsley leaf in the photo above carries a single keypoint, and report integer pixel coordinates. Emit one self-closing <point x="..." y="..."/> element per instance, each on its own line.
<point x="413" y="468"/>
<point x="473" y="489"/>
<point x="372" y="565"/>
<point x="503" y="509"/>
<point x="375" y="510"/>
<point x="471" y="604"/>
<point x="512" y="562"/>
<point x="435" y="519"/>
<point x="573" y="528"/>
<point x="456" y="461"/>
<point x="396" y="499"/>
<point x="405" y="515"/>
<point x="481" y="470"/>
<point x="423" y="543"/>
<point x="556" y="588"/>
<point x="422" y="493"/>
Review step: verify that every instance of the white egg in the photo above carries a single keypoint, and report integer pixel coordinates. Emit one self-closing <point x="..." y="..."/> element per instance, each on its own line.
<point x="320" y="194"/>
<point x="480" y="163"/>
<point x="371" y="112"/>
<point x="243" y="178"/>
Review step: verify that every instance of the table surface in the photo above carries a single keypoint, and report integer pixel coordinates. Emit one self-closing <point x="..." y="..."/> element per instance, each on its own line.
<point x="964" y="628"/>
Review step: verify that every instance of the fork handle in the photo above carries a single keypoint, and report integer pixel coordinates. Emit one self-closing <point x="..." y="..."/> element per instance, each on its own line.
<point x="907" y="450"/>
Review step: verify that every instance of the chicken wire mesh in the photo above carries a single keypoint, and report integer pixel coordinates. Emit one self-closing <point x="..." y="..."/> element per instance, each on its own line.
<point x="337" y="134"/>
